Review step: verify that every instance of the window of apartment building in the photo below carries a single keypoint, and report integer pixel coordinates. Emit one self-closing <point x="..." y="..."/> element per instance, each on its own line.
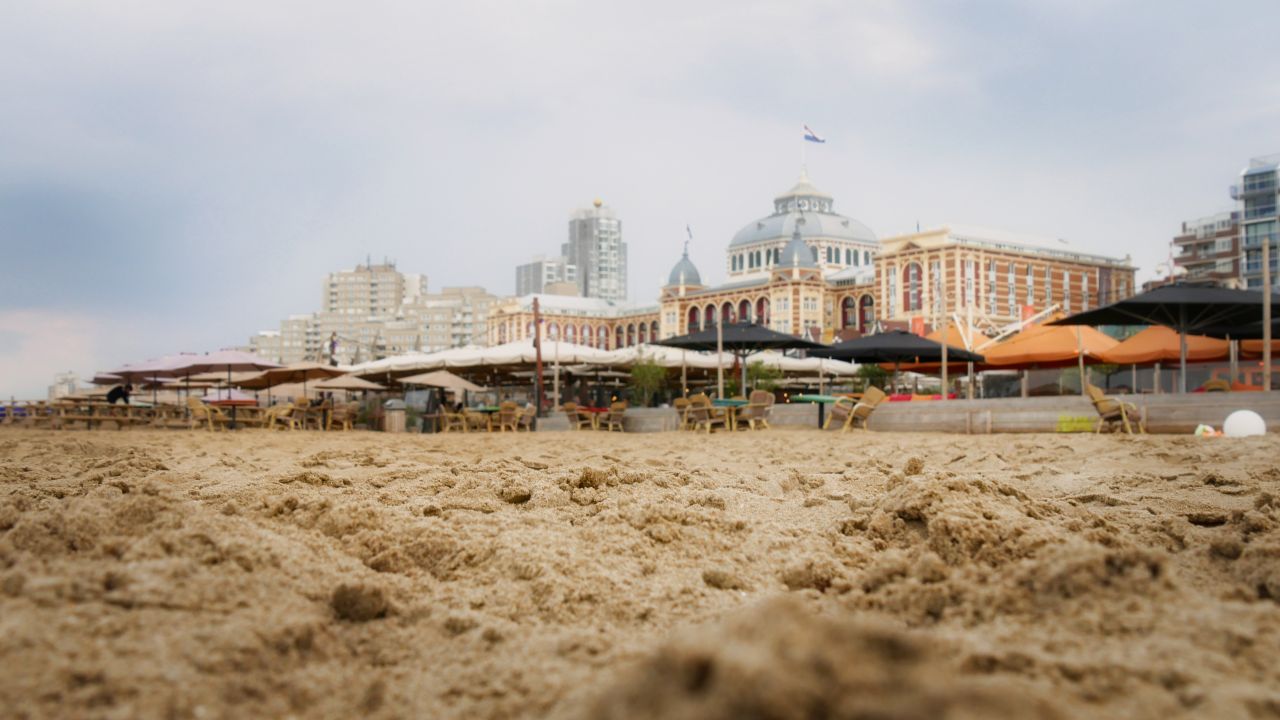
<point x="1066" y="290"/>
<point x="1222" y="266"/>
<point x="1222" y="245"/>
<point x="912" y="300"/>
<point x="1084" y="291"/>
<point x="970" y="282"/>
<point x="810" y="303"/>
<point x="991" y="287"/>
<point x="848" y="256"/>
<point x="1254" y="233"/>
<point x="1012" y="278"/>
<point x="893" y="291"/>
<point x="1048" y="286"/>
<point x="1031" y="286"/>
<point x="935" y="272"/>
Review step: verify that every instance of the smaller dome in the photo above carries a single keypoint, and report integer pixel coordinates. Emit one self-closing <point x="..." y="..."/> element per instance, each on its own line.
<point x="684" y="273"/>
<point x="795" y="253"/>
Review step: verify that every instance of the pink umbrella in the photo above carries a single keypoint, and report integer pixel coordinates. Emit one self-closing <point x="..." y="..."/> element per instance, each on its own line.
<point x="223" y="360"/>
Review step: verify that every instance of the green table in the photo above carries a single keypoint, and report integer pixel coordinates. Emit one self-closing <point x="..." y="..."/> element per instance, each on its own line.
<point x="726" y="402"/>
<point x="821" y="400"/>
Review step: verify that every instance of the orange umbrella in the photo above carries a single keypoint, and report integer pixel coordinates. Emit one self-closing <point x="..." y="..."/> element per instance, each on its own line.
<point x="1252" y="349"/>
<point x="1159" y="344"/>
<point x="1049" y="346"/>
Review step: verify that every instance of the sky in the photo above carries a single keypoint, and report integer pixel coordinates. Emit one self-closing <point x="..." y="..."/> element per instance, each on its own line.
<point x="175" y="176"/>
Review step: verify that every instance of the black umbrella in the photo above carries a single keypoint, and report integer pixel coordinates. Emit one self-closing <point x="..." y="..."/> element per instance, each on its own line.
<point x="741" y="339"/>
<point x="897" y="347"/>
<point x="1188" y="309"/>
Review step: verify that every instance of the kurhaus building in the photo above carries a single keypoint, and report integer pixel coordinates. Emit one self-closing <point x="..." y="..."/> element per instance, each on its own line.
<point x="806" y="270"/>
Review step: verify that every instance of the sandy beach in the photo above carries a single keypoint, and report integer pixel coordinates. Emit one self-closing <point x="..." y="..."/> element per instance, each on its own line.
<point x="786" y="574"/>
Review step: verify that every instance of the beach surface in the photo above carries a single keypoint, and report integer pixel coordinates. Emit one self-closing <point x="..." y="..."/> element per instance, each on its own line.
<point x="781" y="574"/>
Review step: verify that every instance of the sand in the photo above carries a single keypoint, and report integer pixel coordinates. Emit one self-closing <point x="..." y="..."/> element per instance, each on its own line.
<point x="784" y="574"/>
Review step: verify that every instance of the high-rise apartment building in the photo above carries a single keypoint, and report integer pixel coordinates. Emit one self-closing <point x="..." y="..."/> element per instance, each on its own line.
<point x="534" y="276"/>
<point x="1209" y="249"/>
<point x="595" y="246"/>
<point x="369" y="290"/>
<point x="1259" y="193"/>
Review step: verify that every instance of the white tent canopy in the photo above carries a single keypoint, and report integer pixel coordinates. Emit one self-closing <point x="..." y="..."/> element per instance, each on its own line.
<point x="522" y="352"/>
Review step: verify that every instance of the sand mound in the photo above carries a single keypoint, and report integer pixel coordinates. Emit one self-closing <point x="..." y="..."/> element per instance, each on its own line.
<point x="779" y="660"/>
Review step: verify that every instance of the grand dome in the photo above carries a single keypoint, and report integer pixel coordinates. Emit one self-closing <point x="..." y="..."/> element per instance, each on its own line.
<point x="684" y="273"/>
<point x="806" y="201"/>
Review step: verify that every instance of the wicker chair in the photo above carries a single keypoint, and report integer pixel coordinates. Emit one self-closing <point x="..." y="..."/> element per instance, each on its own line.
<point x="578" y="419"/>
<point x="613" y="419"/>
<point x="1114" y="414"/>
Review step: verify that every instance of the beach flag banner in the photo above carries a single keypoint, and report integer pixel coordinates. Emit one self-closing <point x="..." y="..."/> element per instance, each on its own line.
<point x="812" y="136"/>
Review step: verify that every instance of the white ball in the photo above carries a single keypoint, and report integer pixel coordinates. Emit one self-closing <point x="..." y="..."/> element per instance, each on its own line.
<point x="1243" y="423"/>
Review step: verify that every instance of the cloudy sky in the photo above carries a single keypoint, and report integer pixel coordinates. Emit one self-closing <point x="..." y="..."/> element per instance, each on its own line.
<point x="178" y="175"/>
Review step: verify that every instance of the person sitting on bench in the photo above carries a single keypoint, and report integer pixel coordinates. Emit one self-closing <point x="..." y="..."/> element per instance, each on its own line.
<point x="119" y="392"/>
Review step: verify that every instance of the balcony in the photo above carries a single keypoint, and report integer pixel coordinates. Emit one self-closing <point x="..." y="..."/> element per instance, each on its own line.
<point x="1260" y="212"/>
<point x="1254" y="188"/>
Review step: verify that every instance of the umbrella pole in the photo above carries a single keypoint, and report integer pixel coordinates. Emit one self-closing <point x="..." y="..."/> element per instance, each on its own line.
<point x="744" y="376"/>
<point x="944" y="356"/>
<point x="1182" y="362"/>
<point x="720" y="358"/>
<point x="1080" y="357"/>
<point x="1233" y="356"/>
<point x="684" y="375"/>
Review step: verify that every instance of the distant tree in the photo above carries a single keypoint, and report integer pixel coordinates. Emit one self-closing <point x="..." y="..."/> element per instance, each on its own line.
<point x="763" y="377"/>
<point x="647" y="377"/>
<point x="872" y="375"/>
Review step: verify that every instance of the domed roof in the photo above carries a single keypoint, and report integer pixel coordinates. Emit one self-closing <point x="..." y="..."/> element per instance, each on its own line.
<point x="684" y="273"/>
<point x="803" y="187"/>
<point x="795" y="253"/>
<point x="803" y="201"/>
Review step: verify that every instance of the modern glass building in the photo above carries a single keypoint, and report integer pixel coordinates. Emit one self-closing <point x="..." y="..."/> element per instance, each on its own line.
<point x="1259" y="193"/>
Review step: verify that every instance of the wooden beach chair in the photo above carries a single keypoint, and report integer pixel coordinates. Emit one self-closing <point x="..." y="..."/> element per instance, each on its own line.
<point x="578" y="419"/>
<point x="453" y="421"/>
<point x="756" y="411"/>
<point x="526" y="418"/>
<point x="206" y="415"/>
<point x="1114" y="414"/>
<point x="703" y="414"/>
<point x="476" y="420"/>
<point x="613" y="419"/>
<point x="681" y="406"/>
<point x="507" y="417"/>
<point x="281" y="416"/>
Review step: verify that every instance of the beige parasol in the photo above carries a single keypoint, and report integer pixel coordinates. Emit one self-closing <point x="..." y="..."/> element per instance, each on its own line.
<point x="442" y="379"/>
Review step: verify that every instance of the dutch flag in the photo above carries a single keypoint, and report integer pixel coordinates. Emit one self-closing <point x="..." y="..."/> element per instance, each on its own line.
<point x="812" y="136"/>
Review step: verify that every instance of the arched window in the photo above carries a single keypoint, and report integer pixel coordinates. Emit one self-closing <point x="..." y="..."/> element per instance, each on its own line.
<point x="744" y="311"/>
<point x="528" y="329"/>
<point x="644" y="333"/>
<point x="502" y="334"/>
<point x="866" y="313"/>
<point x="726" y="312"/>
<point x="762" y="311"/>
<point x="911" y="290"/>
<point x="709" y="316"/>
<point x="553" y="331"/>
<point x="585" y="334"/>
<point x="653" y="331"/>
<point x="570" y="333"/>
<point x="694" y="316"/>
<point x="620" y="337"/>
<point x="631" y="335"/>
<point x="848" y="313"/>
<point x="602" y="338"/>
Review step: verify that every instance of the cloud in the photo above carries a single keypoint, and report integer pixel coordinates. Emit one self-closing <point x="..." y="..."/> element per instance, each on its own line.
<point x="37" y="344"/>
<point x="196" y="169"/>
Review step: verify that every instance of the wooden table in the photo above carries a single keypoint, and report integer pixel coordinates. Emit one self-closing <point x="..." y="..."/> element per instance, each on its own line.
<point x="233" y="404"/>
<point x="730" y="408"/>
